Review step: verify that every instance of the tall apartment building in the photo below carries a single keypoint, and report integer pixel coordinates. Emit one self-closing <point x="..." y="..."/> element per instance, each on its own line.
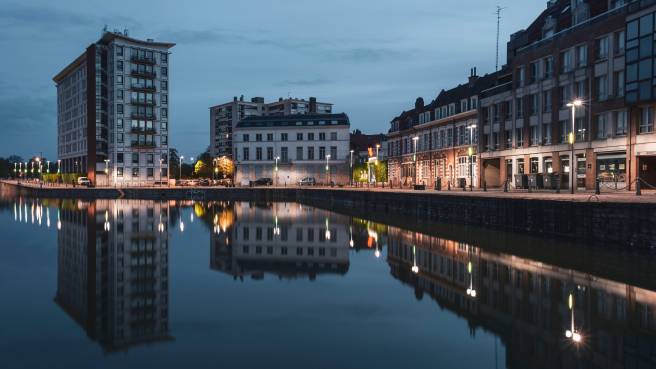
<point x="431" y="143"/>
<point x="224" y="117"/>
<point x="112" y="271"/>
<point x="113" y="111"/>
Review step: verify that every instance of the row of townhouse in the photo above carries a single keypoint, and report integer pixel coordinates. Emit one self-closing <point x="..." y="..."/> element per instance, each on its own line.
<point x="600" y="53"/>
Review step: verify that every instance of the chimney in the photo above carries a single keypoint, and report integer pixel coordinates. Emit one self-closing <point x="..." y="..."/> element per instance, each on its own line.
<point x="234" y="98"/>
<point x="313" y="105"/>
<point x="241" y="98"/>
<point x="472" y="77"/>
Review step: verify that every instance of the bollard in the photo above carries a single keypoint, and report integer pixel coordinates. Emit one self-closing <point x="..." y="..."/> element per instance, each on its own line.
<point x="597" y="187"/>
<point x="638" y="187"/>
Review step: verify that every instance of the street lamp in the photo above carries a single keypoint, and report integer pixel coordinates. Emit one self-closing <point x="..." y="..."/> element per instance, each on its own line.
<point x="572" y="138"/>
<point x="59" y="166"/>
<point x="48" y="170"/>
<point x="328" y="168"/>
<point x="107" y="171"/>
<point x="351" y="166"/>
<point x="180" y="168"/>
<point x="572" y="333"/>
<point x="471" y="128"/>
<point x="415" y="267"/>
<point x="414" y="157"/>
<point x="471" y="291"/>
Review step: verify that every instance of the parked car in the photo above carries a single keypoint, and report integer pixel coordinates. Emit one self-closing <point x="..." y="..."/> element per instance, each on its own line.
<point x="307" y="181"/>
<point x="226" y="182"/>
<point x="191" y="182"/>
<point x="203" y="182"/>
<point x="84" y="181"/>
<point x="263" y="182"/>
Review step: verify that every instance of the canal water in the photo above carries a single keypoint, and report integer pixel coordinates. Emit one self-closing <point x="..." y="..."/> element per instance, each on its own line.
<point x="194" y="284"/>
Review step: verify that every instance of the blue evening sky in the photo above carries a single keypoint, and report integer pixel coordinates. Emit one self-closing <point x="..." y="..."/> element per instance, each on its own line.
<point x="371" y="58"/>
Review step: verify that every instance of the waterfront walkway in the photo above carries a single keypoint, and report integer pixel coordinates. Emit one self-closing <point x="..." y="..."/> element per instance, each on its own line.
<point x="621" y="196"/>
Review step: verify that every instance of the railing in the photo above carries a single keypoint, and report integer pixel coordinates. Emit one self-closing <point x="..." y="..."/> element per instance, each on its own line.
<point x="143" y="88"/>
<point x="150" y="75"/>
<point x="142" y="102"/>
<point x="139" y="59"/>
<point x="143" y="130"/>
<point x="143" y="116"/>
<point x="137" y="145"/>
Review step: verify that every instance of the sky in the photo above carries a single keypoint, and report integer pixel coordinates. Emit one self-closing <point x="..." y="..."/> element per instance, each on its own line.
<point x="371" y="58"/>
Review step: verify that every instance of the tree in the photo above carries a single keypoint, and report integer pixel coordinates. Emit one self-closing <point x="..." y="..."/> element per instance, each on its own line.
<point x="202" y="170"/>
<point x="225" y="167"/>
<point x="174" y="164"/>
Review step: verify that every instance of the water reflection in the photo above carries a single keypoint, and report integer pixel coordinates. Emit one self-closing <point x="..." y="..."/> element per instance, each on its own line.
<point x="113" y="276"/>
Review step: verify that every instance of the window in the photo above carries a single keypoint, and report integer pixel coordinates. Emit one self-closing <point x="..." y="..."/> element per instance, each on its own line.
<point x="310" y="136"/>
<point x="119" y="94"/>
<point x="580" y="129"/>
<point x="535" y="71"/>
<point x="602" y="131"/>
<point x="548" y="67"/>
<point x="246" y="137"/>
<point x="299" y="137"/>
<point x="284" y="154"/>
<point x="165" y="139"/>
<point x="165" y="99"/>
<point x="119" y="108"/>
<point x="119" y="80"/>
<point x="149" y="172"/>
<point x="119" y="138"/>
<point x="119" y="123"/>
<point x="602" y="88"/>
<point x="165" y="71"/>
<point x="519" y="108"/>
<point x="546" y="101"/>
<point x="258" y="137"/>
<point x="647" y="120"/>
<point x="119" y="158"/>
<point x="119" y="171"/>
<point x="119" y="50"/>
<point x="269" y="153"/>
<point x="620" y="123"/>
<point x="149" y="158"/>
<point x="534" y="136"/>
<point x="565" y="95"/>
<point x="322" y="136"/>
<point x="521" y="76"/>
<point x="165" y="85"/>
<point x="135" y="172"/>
<point x="620" y="42"/>
<point x="333" y="152"/>
<point x="310" y="153"/>
<point x="582" y="56"/>
<point x="333" y="136"/>
<point x="164" y="57"/>
<point x="519" y="137"/>
<point x="601" y="48"/>
<point x="165" y="113"/>
<point x="258" y="153"/>
<point x="283" y="137"/>
<point x="534" y="104"/>
<point x="135" y="158"/>
<point x="245" y="154"/>
<point x="565" y="129"/>
<point x="269" y="136"/>
<point x="546" y="134"/>
<point x="566" y="61"/>
<point x="619" y="84"/>
<point x="299" y="153"/>
<point x="322" y="153"/>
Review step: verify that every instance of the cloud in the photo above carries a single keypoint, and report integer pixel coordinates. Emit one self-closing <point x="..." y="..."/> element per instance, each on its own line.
<point x="193" y="37"/>
<point x="304" y="82"/>
<point x="365" y="54"/>
<point x="26" y="114"/>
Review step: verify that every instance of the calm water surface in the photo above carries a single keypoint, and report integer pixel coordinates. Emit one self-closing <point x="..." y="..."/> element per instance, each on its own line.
<point x="141" y="284"/>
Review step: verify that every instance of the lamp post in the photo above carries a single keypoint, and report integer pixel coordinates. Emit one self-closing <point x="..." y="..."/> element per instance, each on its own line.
<point x="471" y="128"/>
<point x="275" y="169"/>
<point x="572" y="139"/>
<point x="180" y="168"/>
<point x="351" y="166"/>
<point x="328" y="168"/>
<point x="48" y="168"/>
<point x="107" y="171"/>
<point x="572" y="333"/>
<point x="59" y="166"/>
<point x="414" y="158"/>
<point x="15" y="170"/>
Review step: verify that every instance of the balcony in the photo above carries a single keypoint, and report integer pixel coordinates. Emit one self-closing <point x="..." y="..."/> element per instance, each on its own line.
<point x="142" y="145"/>
<point x="142" y="102"/>
<point x="149" y="75"/>
<point x="142" y="116"/>
<point x="141" y="88"/>
<point x="150" y="131"/>
<point x="142" y="60"/>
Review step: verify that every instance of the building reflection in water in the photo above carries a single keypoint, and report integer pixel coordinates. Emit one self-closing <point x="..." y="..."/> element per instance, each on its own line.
<point x="545" y="315"/>
<point x="285" y="239"/>
<point x="113" y="274"/>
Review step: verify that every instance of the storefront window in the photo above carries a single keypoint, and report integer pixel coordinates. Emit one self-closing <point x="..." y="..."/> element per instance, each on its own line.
<point x="548" y="165"/>
<point x="534" y="165"/>
<point x="520" y="166"/>
<point x="611" y="168"/>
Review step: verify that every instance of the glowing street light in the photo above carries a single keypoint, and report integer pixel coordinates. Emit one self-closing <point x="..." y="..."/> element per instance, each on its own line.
<point x="415" y="268"/>
<point x="471" y="291"/>
<point x="58" y="166"/>
<point x="107" y="170"/>
<point x="572" y="139"/>
<point x="180" y="167"/>
<point x="572" y="333"/>
<point x="48" y="170"/>
<point x="328" y="167"/>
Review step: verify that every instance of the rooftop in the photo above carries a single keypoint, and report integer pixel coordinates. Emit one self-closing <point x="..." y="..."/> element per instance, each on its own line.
<point x="296" y="120"/>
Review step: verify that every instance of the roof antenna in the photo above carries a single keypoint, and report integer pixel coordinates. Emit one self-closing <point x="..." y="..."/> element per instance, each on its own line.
<point x="499" y="9"/>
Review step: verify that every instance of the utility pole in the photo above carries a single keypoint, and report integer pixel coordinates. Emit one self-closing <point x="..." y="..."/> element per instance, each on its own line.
<point x="499" y="9"/>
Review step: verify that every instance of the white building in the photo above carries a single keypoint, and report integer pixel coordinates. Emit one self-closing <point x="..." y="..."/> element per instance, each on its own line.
<point x="122" y="84"/>
<point x="289" y="148"/>
<point x="224" y="117"/>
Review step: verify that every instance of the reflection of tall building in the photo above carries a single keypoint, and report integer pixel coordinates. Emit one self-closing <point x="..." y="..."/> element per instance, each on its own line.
<point x="526" y="303"/>
<point x="286" y="239"/>
<point x="112" y="274"/>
